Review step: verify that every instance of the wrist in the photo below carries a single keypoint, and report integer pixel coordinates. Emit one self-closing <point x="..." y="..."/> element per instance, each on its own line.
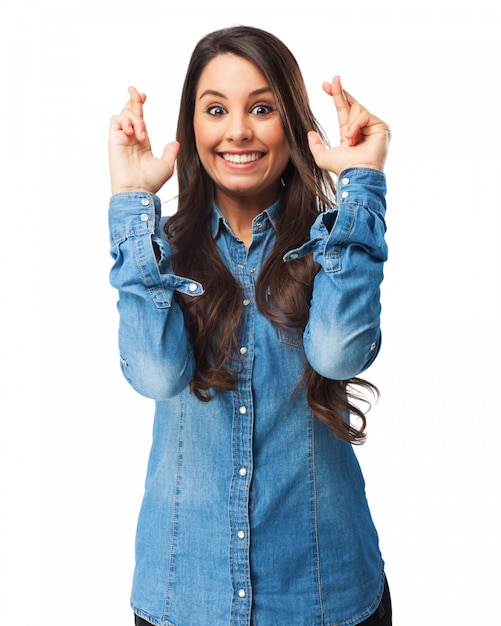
<point x="367" y="166"/>
<point x="117" y="190"/>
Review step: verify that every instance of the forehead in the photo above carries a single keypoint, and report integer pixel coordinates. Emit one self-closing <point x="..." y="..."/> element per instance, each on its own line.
<point x="231" y="74"/>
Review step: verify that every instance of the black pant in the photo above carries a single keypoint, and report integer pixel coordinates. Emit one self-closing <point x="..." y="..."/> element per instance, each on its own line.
<point x="381" y="617"/>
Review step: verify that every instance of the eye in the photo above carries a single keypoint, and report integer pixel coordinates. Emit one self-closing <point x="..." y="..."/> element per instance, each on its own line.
<point x="216" y="110"/>
<point x="262" y="109"/>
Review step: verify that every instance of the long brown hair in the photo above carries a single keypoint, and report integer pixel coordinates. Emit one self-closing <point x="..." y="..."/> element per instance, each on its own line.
<point x="283" y="290"/>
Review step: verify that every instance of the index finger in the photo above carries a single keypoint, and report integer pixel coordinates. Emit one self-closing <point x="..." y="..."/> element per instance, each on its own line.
<point x="343" y="101"/>
<point x="131" y="119"/>
<point x="136" y="101"/>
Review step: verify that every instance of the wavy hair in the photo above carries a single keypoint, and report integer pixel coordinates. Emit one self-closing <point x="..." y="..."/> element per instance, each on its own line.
<point x="283" y="290"/>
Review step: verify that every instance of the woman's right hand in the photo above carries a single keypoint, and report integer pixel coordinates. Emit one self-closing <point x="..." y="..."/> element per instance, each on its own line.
<point x="132" y="164"/>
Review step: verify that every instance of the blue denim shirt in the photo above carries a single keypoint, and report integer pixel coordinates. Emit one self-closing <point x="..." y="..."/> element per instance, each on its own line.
<point x="253" y="511"/>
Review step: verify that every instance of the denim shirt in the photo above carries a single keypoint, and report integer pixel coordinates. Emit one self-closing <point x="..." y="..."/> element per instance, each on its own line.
<point x="253" y="511"/>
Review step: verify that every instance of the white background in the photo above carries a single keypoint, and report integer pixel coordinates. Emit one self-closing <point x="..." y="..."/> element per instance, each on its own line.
<point x="74" y="437"/>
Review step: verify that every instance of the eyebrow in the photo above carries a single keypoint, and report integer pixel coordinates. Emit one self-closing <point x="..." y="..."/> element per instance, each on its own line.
<point x="214" y="92"/>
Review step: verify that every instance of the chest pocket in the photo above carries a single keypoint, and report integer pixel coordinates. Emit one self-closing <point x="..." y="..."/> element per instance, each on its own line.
<point x="291" y="336"/>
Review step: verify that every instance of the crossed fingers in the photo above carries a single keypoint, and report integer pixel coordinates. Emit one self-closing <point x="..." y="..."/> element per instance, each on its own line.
<point x="131" y="120"/>
<point x="352" y="116"/>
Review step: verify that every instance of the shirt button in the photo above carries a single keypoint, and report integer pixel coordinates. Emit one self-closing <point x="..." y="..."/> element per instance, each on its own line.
<point x="345" y="194"/>
<point x="192" y="287"/>
<point x="246" y="302"/>
<point x="373" y="347"/>
<point x="252" y="270"/>
<point x="345" y="180"/>
<point x="242" y="471"/>
<point x="294" y="255"/>
<point x="240" y="266"/>
<point x="144" y="217"/>
<point x="241" y="534"/>
<point x="241" y="593"/>
<point x="242" y="410"/>
<point x="243" y="350"/>
<point x="145" y="201"/>
<point x="259" y="224"/>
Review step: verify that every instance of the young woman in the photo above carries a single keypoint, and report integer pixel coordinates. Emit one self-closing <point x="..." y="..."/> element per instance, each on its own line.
<point x="248" y="317"/>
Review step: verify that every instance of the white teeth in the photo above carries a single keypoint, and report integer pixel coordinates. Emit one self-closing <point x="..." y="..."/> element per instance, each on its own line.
<point x="241" y="158"/>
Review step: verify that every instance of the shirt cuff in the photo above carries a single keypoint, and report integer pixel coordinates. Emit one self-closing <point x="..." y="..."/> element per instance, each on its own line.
<point x="364" y="186"/>
<point x="361" y="186"/>
<point x="133" y="213"/>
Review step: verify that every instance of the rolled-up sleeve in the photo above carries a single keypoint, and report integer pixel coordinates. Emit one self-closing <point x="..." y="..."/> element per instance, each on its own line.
<point x="155" y="353"/>
<point x="343" y="334"/>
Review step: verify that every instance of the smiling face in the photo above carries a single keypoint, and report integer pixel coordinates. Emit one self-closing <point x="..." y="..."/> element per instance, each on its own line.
<point x="238" y="132"/>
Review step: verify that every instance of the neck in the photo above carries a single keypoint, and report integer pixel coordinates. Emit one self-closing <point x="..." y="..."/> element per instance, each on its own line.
<point x="240" y="211"/>
<point x="240" y="221"/>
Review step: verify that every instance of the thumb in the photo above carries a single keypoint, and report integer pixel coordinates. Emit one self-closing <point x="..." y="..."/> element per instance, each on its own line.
<point x="170" y="153"/>
<point x="317" y="147"/>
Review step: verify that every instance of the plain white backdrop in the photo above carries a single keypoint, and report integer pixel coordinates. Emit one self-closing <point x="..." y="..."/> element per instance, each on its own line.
<point x="74" y="437"/>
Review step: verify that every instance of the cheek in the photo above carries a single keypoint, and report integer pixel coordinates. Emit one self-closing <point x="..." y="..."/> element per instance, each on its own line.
<point x="201" y="132"/>
<point x="199" y="136"/>
<point x="202" y="147"/>
<point x="280" y="142"/>
<point x="205" y="142"/>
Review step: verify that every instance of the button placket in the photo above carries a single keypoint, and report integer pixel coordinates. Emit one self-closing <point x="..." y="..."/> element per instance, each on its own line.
<point x="244" y="271"/>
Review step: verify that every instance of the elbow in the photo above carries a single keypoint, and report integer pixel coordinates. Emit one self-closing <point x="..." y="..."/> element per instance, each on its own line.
<point x="342" y="358"/>
<point x="156" y="380"/>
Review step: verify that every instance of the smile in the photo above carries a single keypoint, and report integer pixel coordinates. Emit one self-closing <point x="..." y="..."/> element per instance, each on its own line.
<point x="241" y="159"/>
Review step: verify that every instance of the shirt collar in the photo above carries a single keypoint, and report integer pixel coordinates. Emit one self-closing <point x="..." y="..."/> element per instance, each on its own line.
<point x="268" y="216"/>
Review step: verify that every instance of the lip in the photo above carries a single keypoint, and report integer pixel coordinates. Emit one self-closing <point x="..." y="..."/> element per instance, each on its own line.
<point x="241" y="159"/>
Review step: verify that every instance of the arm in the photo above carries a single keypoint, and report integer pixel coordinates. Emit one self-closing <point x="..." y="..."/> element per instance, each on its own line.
<point x="155" y="352"/>
<point x="154" y="348"/>
<point x="343" y="335"/>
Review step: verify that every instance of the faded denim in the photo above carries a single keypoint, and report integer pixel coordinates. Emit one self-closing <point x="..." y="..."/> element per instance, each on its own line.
<point x="253" y="512"/>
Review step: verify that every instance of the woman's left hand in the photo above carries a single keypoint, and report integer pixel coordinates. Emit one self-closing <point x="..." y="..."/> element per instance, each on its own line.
<point x="364" y="138"/>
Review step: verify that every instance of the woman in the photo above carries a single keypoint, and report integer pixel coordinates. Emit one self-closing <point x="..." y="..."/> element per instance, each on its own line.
<point x="248" y="317"/>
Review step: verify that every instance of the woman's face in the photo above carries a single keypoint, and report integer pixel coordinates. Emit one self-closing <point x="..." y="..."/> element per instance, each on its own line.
<point x="239" y="136"/>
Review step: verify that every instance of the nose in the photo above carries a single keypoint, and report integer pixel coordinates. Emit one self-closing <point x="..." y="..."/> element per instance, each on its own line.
<point x="239" y="127"/>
